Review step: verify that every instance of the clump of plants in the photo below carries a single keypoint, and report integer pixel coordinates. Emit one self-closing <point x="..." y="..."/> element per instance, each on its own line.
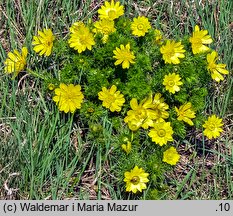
<point x="151" y="88"/>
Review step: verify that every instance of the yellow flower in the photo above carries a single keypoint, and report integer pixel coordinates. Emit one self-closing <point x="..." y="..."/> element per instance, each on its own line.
<point x="127" y="147"/>
<point x="215" y="69"/>
<point x="112" y="99"/>
<point x="124" y="56"/>
<point x="140" y="26"/>
<point x="68" y="97"/>
<point x="185" y="113"/>
<point x="43" y="43"/>
<point x="138" y="116"/>
<point x="158" y="36"/>
<point x="16" y="62"/>
<point x="111" y="10"/>
<point x="172" y="82"/>
<point x="171" y="156"/>
<point x="213" y="127"/>
<point x="105" y="27"/>
<point x="136" y="179"/>
<point x="135" y="123"/>
<point x="198" y="39"/>
<point x="161" y="133"/>
<point x="160" y="108"/>
<point x="172" y="51"/>
<point x="149" y="110"/>
<point x="81" y="38"/>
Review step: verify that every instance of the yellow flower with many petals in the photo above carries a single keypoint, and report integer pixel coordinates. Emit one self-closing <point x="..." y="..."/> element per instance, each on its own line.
<point x="155" y="108"/>
<point x="127" y="147"/>
<point x="68" y="97"/>
<point x="105" y="27"/>
<point x="43" y="43"/>
<point x="161" y="133"/>
<point x="213" y="127"/>
<point x="216" y="70"/>
<point x="81" y="38"/>
<point x="111" y="10"/>
<point x="172" y="82"/>
<point x="172" y="51"/>
<point x="124" y="56"/>
<point x="139" y="116"/>
<point x="140" y="26"/>
<point x="198" y="39"/>
<point x="147" y="112"/>
<point x="185" y="113"/>
<point x="171" y="156"/>
<point x="112" y="99"/>
<point x="136" y="180"/>
<point x="16" y="62"/>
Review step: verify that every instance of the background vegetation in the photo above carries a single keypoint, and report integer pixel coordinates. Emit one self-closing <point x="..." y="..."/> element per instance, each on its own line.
<point x="45" y="155"/>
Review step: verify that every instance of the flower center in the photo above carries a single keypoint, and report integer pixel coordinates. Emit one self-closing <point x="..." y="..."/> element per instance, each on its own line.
<point x="126" y="55"/>
<point x="197" y="41"/>
<point x="169" y="157"/>
<point x="170" y="52"/>
<point x="212" y="66"/>
<point x="82" y="39"/>
<point x="140" y="27"/>
<point x="69" y="96"/>
<point x="135" y="180"/>
<point x="141" y="113"/>
<point x="110" y="99"/>
<point x="161" y="133"/>
<point x="171" y="83"/>
<point x="212" y="127"/>
<point x="182" y="113"/>
<point x="112" y="13"/>
<point x="19" y="63"/>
